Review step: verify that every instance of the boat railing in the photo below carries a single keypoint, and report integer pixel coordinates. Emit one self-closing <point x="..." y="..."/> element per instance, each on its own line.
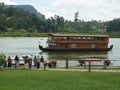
<point x="65" y="41"/>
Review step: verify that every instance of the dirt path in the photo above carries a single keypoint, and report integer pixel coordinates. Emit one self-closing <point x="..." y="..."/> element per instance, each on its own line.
<point x="83" y="70"/>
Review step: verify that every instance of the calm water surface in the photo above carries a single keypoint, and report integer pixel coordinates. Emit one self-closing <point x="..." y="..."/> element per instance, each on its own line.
<point x="29" y="45"/>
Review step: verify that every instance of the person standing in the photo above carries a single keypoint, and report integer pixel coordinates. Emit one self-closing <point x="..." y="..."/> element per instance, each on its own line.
<point x="9" y="61"/>
<point x="25" y="58"/>
<point x="30" y="62"/>
<point x="38" y="62"/>
<point x="16" y="61"/>
<point x="42" y="59"/>
<point x="35" y="61"/>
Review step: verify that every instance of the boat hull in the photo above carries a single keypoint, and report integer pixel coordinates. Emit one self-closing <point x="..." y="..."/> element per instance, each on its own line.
<point x="73" y="49"/>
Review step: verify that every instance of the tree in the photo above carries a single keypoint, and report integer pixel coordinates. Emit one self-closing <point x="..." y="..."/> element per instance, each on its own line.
<point x="76" y="17"/>
<point x="62" y="24"/>
<point x="1" y="7"/>
<point x="48" y="25"/>
<point x="2" y="59"/>
<point x="3" y="24"/>
<point x="114" y="25"/>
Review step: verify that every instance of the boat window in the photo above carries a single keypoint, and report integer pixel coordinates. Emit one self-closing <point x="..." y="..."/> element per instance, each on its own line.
<point x="88" y="37"/>
<point x="92" y="38"/>
<point x="74" y="37"/>
<point x="62" y="38"/>
<point x="55" y="37"/>
<point x="74" y="45"/>
<point x="103" y="44"/>
<point x="84" y="37"/>
<point x="65" y="37"/>
<point x="58" y="38"/>
<point x="95" y="38"/>
<point x="102" y="39"/>
<point x="98" y="38"/>
<point x="79" y="37"/>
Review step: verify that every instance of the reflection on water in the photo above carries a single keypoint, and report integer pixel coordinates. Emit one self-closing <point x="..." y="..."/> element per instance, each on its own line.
<point x="74" y="54"/>
<point x="29" y="45"/>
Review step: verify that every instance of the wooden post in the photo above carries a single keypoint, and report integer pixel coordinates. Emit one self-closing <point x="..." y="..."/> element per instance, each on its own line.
<point x="66" y="63"/>
<point x="104" y="64"/>
<point x="84" y="64"/>
<point x="45" y="64"/>
<point x="89" y="66"/>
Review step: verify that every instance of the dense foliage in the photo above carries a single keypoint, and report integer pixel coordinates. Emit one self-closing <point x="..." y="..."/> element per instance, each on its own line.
<point x="16" y="19"/>
<point x="2" y="59"/>
<point x="20" y="20"/>
<point x="114" y="25"/>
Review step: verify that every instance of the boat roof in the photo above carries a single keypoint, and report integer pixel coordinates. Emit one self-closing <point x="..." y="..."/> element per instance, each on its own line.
<point x="75" y="35"/>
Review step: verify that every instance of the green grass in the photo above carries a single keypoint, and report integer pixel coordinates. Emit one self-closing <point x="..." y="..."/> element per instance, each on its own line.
<point x="22" y="34"/>
<point x="57" y="80"/>
<point x="37" y="34"/>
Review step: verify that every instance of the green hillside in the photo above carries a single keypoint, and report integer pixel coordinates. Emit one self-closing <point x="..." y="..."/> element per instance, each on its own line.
<point x="25" y="20"/>
<point x="29" y="8"/>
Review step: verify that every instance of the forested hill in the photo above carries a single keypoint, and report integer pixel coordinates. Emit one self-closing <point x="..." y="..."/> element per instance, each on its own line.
<point x="29" y="8"/>
<point x="25" y="18"/>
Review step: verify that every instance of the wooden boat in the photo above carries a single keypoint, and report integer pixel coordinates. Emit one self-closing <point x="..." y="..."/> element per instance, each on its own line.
<point x="76" y="43"/>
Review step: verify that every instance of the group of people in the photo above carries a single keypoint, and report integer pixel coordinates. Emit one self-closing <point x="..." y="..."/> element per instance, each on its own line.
<point x="37" y="61"/>
<point x="28" y="62"/>
<point x="9" y="60"/>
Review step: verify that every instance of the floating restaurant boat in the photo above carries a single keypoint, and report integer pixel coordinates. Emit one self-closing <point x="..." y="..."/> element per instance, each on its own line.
<point x="76" y="43"/>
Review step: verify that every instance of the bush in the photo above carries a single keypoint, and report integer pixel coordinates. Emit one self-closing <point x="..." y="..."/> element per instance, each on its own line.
<point x="2" y="59"/>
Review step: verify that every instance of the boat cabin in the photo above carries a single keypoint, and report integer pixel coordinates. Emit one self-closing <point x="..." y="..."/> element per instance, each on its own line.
<point x="77" y="41"/>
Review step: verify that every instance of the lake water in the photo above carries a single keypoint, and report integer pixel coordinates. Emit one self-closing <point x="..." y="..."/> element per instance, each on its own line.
<point x="20" y="46"/>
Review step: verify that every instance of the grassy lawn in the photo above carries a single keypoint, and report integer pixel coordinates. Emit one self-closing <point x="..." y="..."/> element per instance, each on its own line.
<point x="19" y="79"/>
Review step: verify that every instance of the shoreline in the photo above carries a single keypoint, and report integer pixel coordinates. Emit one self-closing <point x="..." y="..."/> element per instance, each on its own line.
<point x="37" y="34"/>
<point x="70" y="69"/>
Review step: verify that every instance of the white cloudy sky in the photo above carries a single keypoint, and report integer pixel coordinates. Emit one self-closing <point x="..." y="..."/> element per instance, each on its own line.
<point x="88" y="9"/>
